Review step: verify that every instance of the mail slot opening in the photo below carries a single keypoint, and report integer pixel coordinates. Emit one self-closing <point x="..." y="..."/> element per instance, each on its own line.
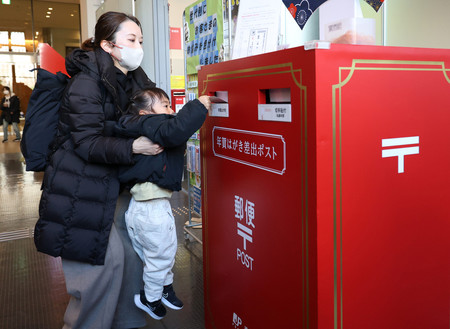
<point x="275" y="96"/>
<point x="219" y="104"/>
<point x="219" y="96"/>
<point x="275" y="105"/>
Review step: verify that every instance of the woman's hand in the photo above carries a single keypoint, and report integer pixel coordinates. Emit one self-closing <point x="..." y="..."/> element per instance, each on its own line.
<point x="143" y="145"/>
<point x="205" y="101"/>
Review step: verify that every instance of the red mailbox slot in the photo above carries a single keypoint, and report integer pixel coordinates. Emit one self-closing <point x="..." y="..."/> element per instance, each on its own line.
<point x="329" y="210"/>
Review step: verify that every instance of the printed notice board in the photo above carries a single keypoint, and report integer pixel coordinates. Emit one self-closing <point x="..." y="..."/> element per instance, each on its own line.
<point x="203" y="33"/>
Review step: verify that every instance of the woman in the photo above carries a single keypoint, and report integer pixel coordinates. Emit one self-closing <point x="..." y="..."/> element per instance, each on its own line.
<point x="10" y="105"/>
<point x="80" y="186"/>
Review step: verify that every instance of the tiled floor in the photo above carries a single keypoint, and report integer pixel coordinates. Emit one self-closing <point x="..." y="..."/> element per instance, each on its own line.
<point x="32" y="288"/>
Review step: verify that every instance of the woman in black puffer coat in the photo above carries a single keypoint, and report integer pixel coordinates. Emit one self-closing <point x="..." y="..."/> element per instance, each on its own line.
<point x="81" y="188"/>
<point x="10" y="106"/>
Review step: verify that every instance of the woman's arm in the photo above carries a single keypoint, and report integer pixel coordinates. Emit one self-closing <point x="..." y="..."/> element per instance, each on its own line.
<point x="145" y="146"/>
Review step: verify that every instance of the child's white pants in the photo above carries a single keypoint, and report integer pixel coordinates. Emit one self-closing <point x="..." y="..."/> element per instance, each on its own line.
<point x="151" y="227"/>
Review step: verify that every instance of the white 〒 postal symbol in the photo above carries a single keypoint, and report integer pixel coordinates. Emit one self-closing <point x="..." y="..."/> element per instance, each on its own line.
<point x="236" y="320"/>
<point x="400" y="152"/>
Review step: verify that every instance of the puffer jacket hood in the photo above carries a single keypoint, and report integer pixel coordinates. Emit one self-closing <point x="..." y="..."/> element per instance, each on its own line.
<point x="82" y="60"/>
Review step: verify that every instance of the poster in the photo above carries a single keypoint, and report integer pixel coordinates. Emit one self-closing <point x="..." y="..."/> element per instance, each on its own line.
<point x="203" y="33"/>
<point x="257" y="30"/>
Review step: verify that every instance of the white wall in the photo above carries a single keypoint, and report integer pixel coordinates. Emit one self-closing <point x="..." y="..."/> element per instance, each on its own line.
<point x="88" y="8"/>
<point x="418" y="23"/>
<point x="145" y="10"/>
<point x="369" y="12"/>
<point x="154" y="18"/>
<point x="176" y="9"/>
<point x="124" y="6"/>
<point x="412" y="23"/>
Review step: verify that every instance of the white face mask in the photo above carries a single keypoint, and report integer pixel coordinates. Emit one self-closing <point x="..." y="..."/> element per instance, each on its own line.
<point x="131" y="57"/>
<point x="6" y="92"/>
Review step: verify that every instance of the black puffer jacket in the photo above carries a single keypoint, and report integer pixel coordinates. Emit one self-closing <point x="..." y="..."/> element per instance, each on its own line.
<point x="80" y="186"/>
<point x="171" y="132"/>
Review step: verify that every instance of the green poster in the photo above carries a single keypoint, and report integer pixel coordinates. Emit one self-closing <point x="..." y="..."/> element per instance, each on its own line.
<point x="203" y="33"/>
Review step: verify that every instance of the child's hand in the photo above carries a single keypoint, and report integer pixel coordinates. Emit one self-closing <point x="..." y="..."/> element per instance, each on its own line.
<point x="205" y="101"/>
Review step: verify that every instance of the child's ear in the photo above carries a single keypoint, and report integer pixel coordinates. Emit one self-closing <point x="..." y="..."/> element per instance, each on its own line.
<point x="142" y="112"/>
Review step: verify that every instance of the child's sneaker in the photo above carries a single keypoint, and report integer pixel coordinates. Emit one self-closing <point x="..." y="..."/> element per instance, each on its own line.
<point x="155" y="309"/>
<point x="170" y="299"/>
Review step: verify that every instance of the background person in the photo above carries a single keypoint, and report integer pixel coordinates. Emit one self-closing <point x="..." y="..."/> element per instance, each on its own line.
<point x="10" y="105"/>
<point x="80" y="217"/>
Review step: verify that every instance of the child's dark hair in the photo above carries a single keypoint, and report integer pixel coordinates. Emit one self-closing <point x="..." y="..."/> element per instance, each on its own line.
<point x="145" y="99"/>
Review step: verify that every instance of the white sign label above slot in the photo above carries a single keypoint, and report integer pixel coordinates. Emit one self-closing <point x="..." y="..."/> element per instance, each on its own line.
<point x="275" y="112"/>
<point x="219" y="110"/>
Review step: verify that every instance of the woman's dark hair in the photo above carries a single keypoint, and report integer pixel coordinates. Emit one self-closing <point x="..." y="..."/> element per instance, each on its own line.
<point x="106" y="27"/>
<point x="145" y="99"/>
<point x="6" y="88"/>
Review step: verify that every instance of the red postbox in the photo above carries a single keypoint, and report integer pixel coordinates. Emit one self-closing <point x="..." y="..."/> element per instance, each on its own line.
<point x="328" y="207"/>
<point x="178" y="99"/>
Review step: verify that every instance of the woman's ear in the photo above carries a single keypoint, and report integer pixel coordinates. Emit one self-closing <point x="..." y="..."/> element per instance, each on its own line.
<point x="106" y="46"/>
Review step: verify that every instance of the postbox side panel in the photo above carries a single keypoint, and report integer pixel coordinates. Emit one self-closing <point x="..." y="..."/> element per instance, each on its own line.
<point x="386" y="222"/>
<point x="257" y="244"/>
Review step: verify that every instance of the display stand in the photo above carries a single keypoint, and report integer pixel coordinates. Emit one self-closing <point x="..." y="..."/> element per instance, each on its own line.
<point x="194" y="192"/>
<point x="328" y="208"/>
<point x="204" y="31"/>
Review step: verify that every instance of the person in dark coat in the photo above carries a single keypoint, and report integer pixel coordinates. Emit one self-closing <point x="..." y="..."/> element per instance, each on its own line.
<point x="80" y="190"/>
<point x="149" y="217"/>
<point x="168" y="130"/>
<point x="10" y="106"/>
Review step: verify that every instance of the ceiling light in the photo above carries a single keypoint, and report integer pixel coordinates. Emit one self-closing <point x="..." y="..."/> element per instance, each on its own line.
<point x="50" y="8"/>
<point x="49" y="12"/>
<point x="6" y="2"/>
<point x="47" y="16"/>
